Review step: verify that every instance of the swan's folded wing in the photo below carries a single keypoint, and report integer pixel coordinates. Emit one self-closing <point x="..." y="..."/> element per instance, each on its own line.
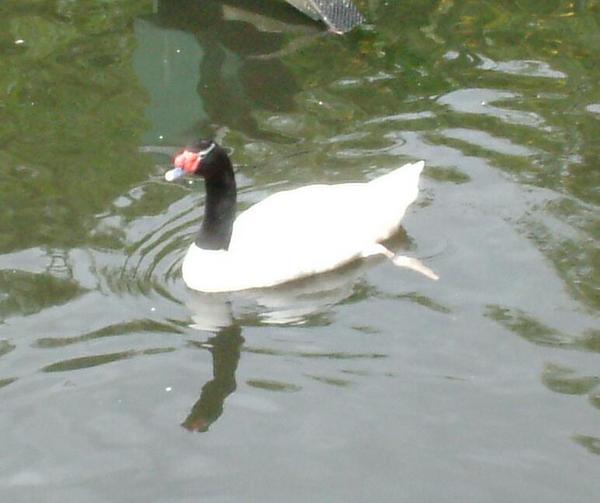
<point x="321" y="226"/>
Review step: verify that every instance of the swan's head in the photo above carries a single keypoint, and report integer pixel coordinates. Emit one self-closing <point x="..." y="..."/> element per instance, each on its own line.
<point x="205" y="158"/>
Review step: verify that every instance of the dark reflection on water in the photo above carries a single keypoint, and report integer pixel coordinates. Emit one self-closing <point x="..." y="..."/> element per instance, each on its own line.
<point x="369" y="383"/>
<point x="91" y="361"/>
<point x="536" y="332"/>
<point x="560" y="379"/>
<point x="238" y="77"/>
<point x="592" y="444"/>
<point x="109" y="331"/>
<point x="225" y="348"/>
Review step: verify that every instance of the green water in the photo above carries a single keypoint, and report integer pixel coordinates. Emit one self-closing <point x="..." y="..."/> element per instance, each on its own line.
<point x="368" y="384"/>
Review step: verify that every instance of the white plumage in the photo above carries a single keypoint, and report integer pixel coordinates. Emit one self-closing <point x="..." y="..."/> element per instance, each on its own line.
<point x="306" y="231"/>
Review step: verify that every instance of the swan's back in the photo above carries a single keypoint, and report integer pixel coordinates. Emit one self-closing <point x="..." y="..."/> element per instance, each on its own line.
<point x="327" y="220"/>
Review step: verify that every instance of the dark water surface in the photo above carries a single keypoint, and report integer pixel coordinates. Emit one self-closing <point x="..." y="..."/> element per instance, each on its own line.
<point x="368" y="384"/>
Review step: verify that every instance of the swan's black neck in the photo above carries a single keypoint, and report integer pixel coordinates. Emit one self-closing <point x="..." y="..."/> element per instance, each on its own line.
<point x="219" y="209"/>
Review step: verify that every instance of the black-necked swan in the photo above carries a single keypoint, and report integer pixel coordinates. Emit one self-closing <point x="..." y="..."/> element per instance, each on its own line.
<point x="291" y="234"/>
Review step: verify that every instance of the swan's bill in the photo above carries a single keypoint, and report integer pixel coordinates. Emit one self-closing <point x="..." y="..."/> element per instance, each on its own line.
<point x="174" y="174"/>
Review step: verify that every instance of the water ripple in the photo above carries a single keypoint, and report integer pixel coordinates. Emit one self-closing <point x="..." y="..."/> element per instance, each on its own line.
<point x="479" y="102"/>
<point x="526" y="68"/>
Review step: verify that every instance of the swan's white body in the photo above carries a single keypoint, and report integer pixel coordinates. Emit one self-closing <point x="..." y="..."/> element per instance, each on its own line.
<point x="306" y="231"/>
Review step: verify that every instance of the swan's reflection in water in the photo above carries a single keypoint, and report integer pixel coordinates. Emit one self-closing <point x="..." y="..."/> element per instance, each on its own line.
<point x="300" y="302"/>
<point x="290" y="304"/>
<point x="225" y="348"/>
<point x="293" y="303"/>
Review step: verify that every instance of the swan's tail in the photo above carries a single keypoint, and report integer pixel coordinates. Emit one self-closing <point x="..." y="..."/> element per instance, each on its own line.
<point x="407" y="175"/>
<point x="398" y="189"/>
